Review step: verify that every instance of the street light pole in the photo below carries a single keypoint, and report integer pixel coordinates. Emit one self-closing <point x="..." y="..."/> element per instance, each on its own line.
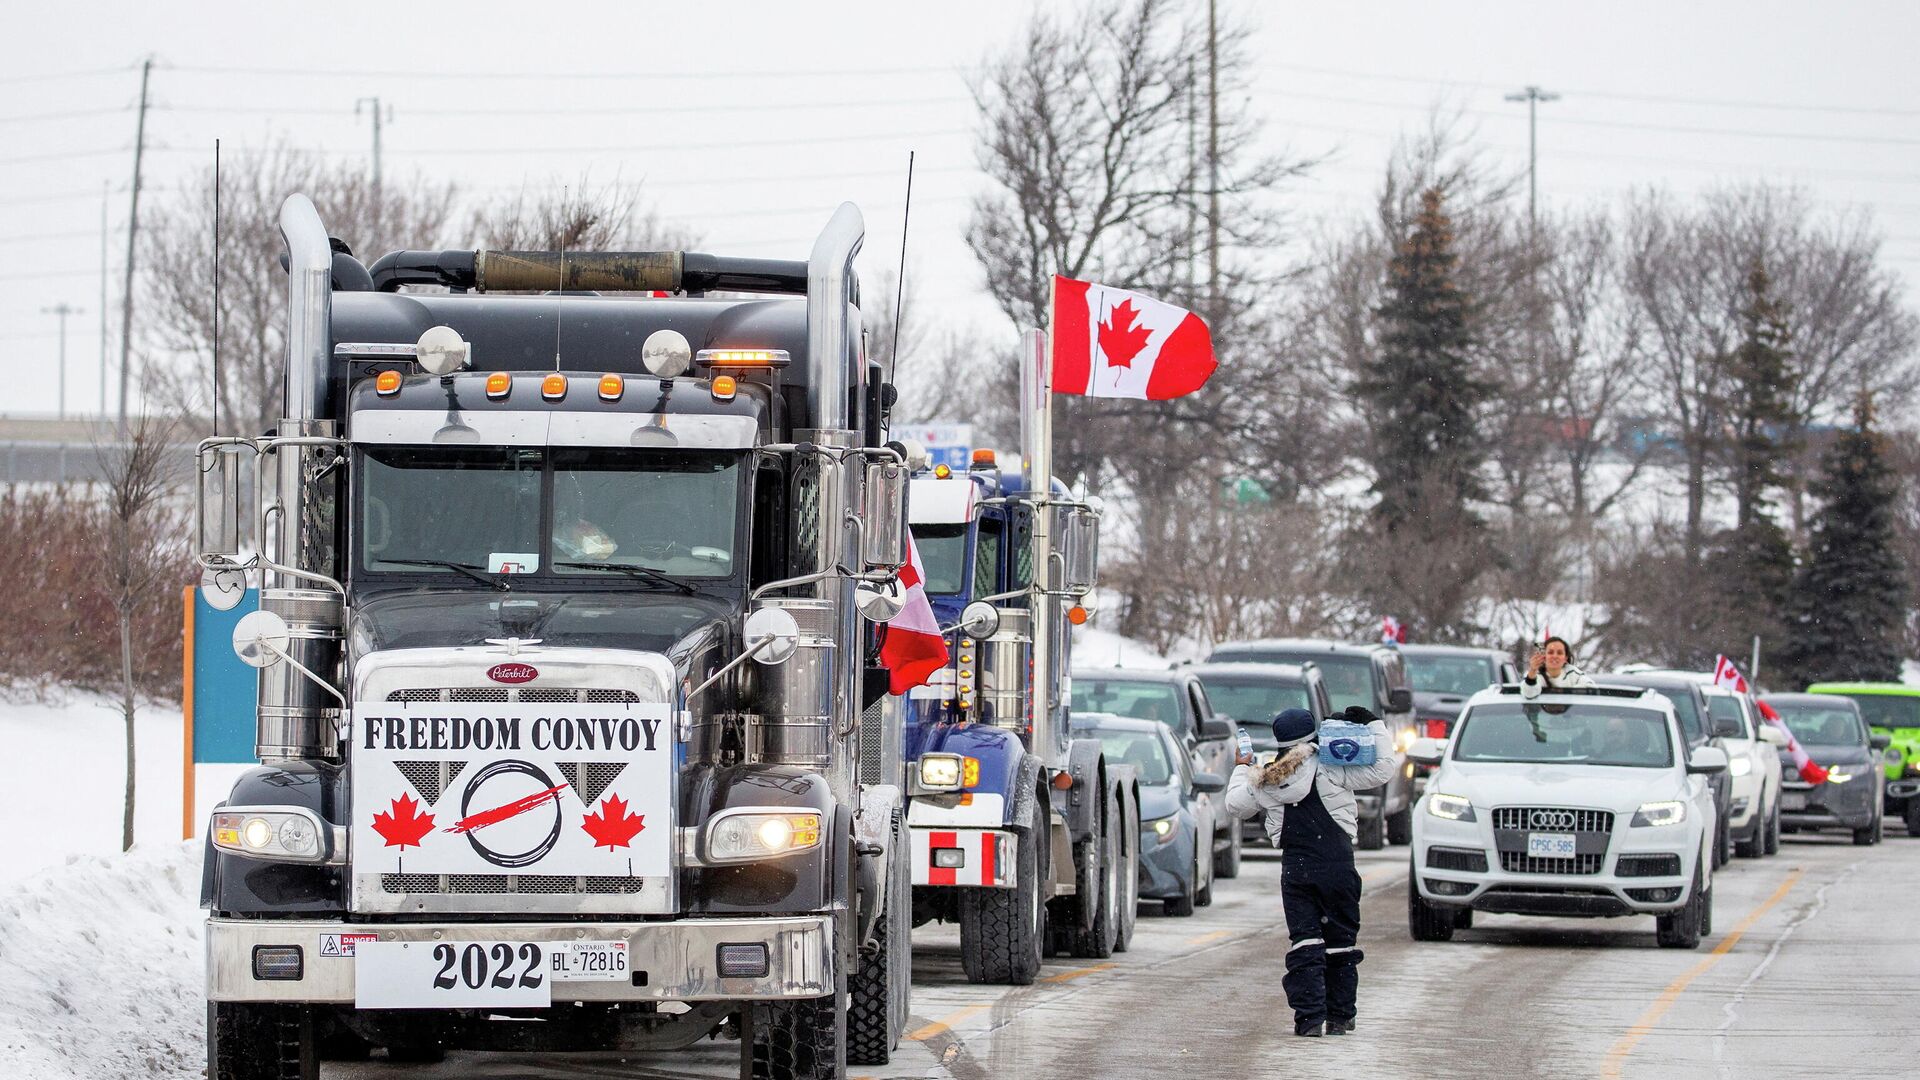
<point x="1533" y="96"/>
<point x="62" y="310"/>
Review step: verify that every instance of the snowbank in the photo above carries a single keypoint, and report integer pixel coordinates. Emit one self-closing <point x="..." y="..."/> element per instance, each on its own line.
<point x="101" y="961"/>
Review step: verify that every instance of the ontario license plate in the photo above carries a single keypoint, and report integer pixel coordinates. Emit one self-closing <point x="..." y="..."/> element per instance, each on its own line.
<point x="1793" y="800"/>
<point x="589" y="961"/>
<point x="1550" y="845"/>
<point x="452" y="975"/>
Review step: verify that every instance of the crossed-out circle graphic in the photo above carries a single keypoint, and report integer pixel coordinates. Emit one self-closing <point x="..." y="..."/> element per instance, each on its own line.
<point x="510" y="813"/>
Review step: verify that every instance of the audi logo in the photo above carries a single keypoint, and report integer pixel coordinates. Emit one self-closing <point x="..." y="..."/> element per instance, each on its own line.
<point x="1551" y="819"/>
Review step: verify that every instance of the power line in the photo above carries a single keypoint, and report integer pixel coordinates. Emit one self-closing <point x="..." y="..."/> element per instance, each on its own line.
<point x="64" y="155"/>
<point x="730" y="75"/>
<point x="50" y="76"/>
<point x="71" y="114"/>
<point x="658" y="148"/>
<point x="572" y="110"/>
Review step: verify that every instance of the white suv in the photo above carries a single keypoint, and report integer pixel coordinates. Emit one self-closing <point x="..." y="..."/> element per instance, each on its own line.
<point x="1753" y="764"/>
<point x="1581" y="802"/>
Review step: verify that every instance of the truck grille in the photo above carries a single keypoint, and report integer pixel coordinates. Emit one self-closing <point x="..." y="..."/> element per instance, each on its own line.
<point x="872" y="749"/>
<point x="1552" y="819"/>
<point x="543" y="694"/>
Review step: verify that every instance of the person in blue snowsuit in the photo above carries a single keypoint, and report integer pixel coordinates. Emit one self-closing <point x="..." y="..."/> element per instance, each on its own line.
<point x="1312" y="817"/>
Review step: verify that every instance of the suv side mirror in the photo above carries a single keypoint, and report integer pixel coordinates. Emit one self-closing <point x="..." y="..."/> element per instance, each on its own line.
<point x="1426" y="751"/>
<point x="1728" y="727"/>
<point x="884" y="514"/>
<point x="1214" y="727"/>
<point x="1208" y="783"/>
<point x="1772" y="736"/>
<point x="1399" y="700"/>
<point x="1707" y="759"/>
<point x="1879" y="741"/>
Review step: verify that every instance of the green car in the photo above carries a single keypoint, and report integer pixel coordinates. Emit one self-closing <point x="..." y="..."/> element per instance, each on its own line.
<point x="1891" y="709"/>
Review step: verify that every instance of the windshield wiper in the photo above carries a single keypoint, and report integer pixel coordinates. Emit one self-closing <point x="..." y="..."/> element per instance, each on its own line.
<point x="638" y="573"/>
<point x="468" y="569"/>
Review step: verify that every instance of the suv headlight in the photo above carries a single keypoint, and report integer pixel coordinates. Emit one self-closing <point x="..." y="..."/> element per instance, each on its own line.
<point x="1838" y="774"/>
<point x="748" y="835"/>
<point x="273" y="833"/>
<point x="1660" y="813"/>
<point x="1740" y="766"/>
<point x="1450" y="807"/>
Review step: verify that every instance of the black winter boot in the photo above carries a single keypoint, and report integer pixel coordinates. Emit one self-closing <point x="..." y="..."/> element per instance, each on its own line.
<point x="1339" y="1027"/>
<point x="1307" y="1031"/>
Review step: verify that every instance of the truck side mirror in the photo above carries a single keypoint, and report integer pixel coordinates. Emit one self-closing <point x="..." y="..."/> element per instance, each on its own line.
<point x="884" y="533"/>
<point x="260" y="638"/>
<point x="1082" y="550"/>
<point x="218" y="537"/>
<point x="772" y="634"/>
<point x="979" y="620"/>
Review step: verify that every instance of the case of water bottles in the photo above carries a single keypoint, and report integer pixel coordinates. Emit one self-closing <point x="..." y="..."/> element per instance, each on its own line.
<point x="1344" y="743"/>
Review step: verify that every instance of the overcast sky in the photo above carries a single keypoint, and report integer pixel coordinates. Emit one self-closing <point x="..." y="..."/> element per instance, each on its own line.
<point x="747" y="122"/>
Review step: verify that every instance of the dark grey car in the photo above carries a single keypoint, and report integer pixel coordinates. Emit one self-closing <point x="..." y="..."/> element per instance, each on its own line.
<point x="1251" y="695"/>
<point x="1833" y="733"/>
<point x="1175" y="867"/>
<point x="1373" y="676"/>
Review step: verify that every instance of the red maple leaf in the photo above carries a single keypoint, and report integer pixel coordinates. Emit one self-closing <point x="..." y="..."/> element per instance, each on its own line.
<point x="404" y="825"/>
<point x="613" y="827"/>
<point x="1120" y="339"/>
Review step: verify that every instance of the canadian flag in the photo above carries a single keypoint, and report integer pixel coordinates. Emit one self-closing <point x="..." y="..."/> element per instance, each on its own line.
<point x="1113" y="343"/>
<point x="1391" y="632"/>
<point x="1725" y="674"/>
<point x="912" y="648"/>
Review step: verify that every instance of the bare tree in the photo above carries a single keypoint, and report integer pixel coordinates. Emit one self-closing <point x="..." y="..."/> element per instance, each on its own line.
<point x="581" y="216"/>
<point x="143" y="542"/>
<point x="178" y="271"/>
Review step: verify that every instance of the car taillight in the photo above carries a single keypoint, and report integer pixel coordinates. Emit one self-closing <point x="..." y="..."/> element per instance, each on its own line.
<point x="1434" y="727"/>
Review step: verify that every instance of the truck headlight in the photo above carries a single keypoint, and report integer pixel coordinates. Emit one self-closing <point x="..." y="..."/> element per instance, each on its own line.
<point x="752" y="834"/>
<point x="1660" y="813"/>
<point x="1450" y="807"/>
<point x="948" y="772"/>
<point x="272" y="833"/>
<point x="1740" y="766"/>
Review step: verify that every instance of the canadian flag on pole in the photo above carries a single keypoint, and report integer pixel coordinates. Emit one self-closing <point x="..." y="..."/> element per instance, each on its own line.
<point x="1725" y="674"/>
<point x="1113" y="343"/>
<point x="913" y="647"/>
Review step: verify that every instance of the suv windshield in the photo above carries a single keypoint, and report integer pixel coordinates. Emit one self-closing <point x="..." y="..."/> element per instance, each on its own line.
<point x="535" y="510"/>
<point x="1255" y="702"/>
<point x="1579" y="734"/>
<point x="1823" y="725"/>
<point x="1888" y="710"/>
<point x="1143" y="750"/>
<point x="1349" y="679"/>
<point x="1121" y="697"/>
<point x="1449" y="674"/>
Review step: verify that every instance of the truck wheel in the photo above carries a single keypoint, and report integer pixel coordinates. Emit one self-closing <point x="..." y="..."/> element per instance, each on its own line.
<point x="1226" y="864"/>
<point x="246" y="1041"/>
<point x="1682" y="929"/>
<point x="1002" y="930"/>
<point x="1373" y="833"/>
<point x="1129" y="872"/>
<point x="1400" y="827"/>
<point x="1425" y="921"/>
<point x="798" y="1040"/>
<point x="1096" y="942"/>
<point x="872" y="1028"/>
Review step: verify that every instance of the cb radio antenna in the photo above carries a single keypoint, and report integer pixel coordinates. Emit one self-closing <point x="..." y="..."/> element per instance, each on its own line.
<point x="900" y="283"/>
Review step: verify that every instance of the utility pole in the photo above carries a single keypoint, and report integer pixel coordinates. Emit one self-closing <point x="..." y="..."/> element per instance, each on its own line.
<point x="1533" y="96"/>
<point x="373" y="106"/>
<point x="62" y="310"/>
<point x="133" y="236"/>
<point x="1213" y="163"/>
<point x="106" y="192"/>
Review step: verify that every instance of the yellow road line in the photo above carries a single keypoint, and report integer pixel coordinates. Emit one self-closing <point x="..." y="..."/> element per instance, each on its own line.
<point x="945" y="1024"/>
<point x="1204" y="939"/>
<point x="1077" y="972"/>
<point x="1617" y="1057"/>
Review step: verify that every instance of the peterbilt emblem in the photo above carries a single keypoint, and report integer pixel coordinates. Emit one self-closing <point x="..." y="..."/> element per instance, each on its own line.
<point x="1551" y="819"/>
<point x="513" y="673"/>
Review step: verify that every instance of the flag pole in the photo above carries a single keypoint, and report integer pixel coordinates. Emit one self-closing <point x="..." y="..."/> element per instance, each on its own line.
<point x="1038" y="374"/>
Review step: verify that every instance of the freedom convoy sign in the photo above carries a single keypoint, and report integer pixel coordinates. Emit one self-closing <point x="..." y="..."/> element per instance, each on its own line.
<point x="453" y="788"/>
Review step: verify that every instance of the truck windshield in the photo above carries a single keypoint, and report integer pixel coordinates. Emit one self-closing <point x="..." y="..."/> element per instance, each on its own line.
<point x="943" y="554"/>
<point x="1579" y="734"/>
<point x="550" y="511"/>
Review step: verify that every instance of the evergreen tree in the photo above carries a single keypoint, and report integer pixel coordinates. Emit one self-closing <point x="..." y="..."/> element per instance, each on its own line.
<point x="1852" y="594"/>
<point x="1424" y="398"/>
<point x="1759" y="378"/>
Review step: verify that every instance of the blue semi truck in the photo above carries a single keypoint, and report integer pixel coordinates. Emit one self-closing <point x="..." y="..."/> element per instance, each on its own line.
<point x="1025" y="837"/>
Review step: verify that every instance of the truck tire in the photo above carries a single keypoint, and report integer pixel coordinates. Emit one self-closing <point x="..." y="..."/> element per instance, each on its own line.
<point x="246" y="1041"/>
<point x="1227" y="863"/>
<point x="1096" y="942"/>
<point x="1129" y="870"/>
<point x="874" y="1010"/>
<point x="1682" y="929"/>
<point x="1372" y="834"/>
<point x="798" y="1040"/>
<point x="1425" y="921"/>
<point x="1400" y="827"/>
<point x="1003" y="930"/>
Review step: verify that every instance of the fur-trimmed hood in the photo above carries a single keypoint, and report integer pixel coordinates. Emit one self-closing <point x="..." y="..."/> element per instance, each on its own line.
<point x="1275" y="772"/>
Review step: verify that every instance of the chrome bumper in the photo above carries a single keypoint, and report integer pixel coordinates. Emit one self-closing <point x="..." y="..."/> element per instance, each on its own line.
<point x="679" y="958"/>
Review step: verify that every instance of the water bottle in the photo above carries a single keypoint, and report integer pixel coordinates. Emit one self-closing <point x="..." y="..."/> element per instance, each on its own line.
<point x="1343" y="743"/>
<point x="1243" y="740"/>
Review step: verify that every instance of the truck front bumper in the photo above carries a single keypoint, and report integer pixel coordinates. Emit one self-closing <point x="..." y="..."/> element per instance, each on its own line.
<point x="979" y="858"/>
<point x="671" y="961"/>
